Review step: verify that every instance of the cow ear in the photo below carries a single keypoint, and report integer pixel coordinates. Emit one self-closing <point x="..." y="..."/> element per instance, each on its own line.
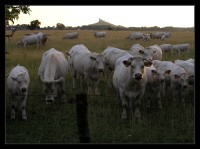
<point x="127" y="63"/>
<point x="14" y="78"/>
<point x="141" y="51"/>
<point x="176" y="76"/>
<point x="168" y="71"/>
<point x="92" y="58"/>
<point x="154" y="72"/>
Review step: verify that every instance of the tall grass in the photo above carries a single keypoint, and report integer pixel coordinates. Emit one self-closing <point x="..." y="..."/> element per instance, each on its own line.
<point x="56" y="123"/>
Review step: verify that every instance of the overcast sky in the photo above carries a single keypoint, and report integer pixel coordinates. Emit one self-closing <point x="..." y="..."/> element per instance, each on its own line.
<point x="127" y="16"/>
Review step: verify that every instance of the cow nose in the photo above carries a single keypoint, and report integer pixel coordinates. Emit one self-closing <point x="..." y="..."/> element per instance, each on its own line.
<point x="184" y="86"/>
<point x="23" y="89"/>
<point x="49" y="101"/>
<point x="161" y="80"/>
<point x="138" y="76"/>
<point x="100" y="70"/>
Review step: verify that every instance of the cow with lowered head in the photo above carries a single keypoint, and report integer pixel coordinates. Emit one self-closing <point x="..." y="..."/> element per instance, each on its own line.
<point x="52" y="72"/>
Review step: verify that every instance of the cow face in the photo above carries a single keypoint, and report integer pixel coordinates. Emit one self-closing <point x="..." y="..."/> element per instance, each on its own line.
<point x="137" y="66"/>
<point x="148" y="54"/>
<point x="100" y="62"/>
<point x="50" y="91"/>
<point x="22" y="83"/>
<point x="163" y="74"/>
<point x="182" y="80"/>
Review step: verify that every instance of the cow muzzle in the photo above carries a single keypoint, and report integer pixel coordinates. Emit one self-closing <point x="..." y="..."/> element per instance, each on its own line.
<point x="100" y="70"/>
<point x="23" y="89"/>
<point x="138" y="76"/>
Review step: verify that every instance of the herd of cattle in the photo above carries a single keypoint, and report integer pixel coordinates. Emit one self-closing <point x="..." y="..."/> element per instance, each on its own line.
<point x="133" y="73"/>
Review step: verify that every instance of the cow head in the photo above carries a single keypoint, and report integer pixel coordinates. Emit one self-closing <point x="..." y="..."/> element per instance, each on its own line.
<point x="50" y="89"/>
<point x="137" y="66"/>
<point x="22" y="82"/>
<point x="99" y="61"/>
<point x="182" y="79"/>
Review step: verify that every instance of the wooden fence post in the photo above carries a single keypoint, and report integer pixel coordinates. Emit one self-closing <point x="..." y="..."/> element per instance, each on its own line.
<point x="81" y="115"/>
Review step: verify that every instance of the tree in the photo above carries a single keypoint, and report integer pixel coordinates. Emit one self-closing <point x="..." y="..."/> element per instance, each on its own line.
<point x="12" y="12"/>
<point x="60" y="26"/>
<point x="35" y="24"/>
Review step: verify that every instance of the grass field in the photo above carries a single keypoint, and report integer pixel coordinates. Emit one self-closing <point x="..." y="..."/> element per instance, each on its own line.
<point x="56" y="123"/>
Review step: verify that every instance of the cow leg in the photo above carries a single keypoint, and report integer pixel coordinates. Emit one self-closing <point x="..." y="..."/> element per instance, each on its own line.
<point x="23" y="107"/>
<point x="96" y="88"/>
<point x="62" y="92"/>
<point x="74" y="80"/>
<point x="124" y="105"/>
<point x="158" y="98"/>
<point x="13" y="107"/>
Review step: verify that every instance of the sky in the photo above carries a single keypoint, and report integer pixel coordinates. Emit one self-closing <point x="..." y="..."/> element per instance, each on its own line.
<point x="127" y="16"/>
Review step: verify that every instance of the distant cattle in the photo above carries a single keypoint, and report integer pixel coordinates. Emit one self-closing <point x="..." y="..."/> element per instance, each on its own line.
<point x="39" y="39"/>
<point x="73" y="35"/>
<point x="99" y="34"/>
<point x="160" y="35"/>
<point x="18" y="82"/>
<point x="166" y="48"/>
<point x="88" y="65"/>
<point x="135" y="36"/>
<point x="130" y="79"/>
<point x="52" y="71"/>
<point x="181" y="47"/>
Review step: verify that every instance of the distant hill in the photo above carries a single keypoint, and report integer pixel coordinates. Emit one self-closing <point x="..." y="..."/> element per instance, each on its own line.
<point x="104" y="23"/>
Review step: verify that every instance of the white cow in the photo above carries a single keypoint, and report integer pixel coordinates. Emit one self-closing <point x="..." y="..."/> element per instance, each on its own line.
<point x="38" y="39"/>
<point x="89" y="65"/>
<point x="157" y="55"/>
<point x="18" y="84"/>
<point x="189" y="68"/>
<point x="181" y="47"/>
<point x="178" y="78"/>
<point x="130" y="81"/>
<point x="136" y="36"/>
<point x="30" y="40"/>
<point x="99" y="34"/>
<point x="72" y="35"/>
<point x="52" y="72"/>
<point x="156" y="35"/>
<point x="166" y="48"/>
<point x="156" y="78"/>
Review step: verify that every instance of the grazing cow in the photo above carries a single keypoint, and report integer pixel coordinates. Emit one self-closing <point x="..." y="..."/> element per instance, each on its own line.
<point x="181" y="47"/>
<point x="157" y="55"/>
<point x="130" y="81"/>
<point x="156" y="35"/>
<point x="166" y="48"/>
<point x="52" y="71"/>
<point x="37" y="38"/>
<point x="18" y="83"/>
<point x="89" y="65"/>
<point x="135" y="36"/>
<point x="146" y="37"/>
<point x="73" y="35"/>
<point x="30" y="40"/>
<point x="99" y="34"/>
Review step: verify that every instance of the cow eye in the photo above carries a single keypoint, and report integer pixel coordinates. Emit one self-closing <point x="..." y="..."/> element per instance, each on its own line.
<point x="142" y="67"/>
